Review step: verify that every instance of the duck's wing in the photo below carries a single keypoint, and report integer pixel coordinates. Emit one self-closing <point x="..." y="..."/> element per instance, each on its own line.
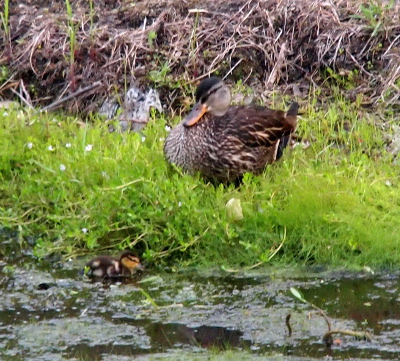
<point x="257" y="126"/>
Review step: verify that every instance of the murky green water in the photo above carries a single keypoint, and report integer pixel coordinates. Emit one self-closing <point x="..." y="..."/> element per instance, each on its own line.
<point x="78" y="319"/>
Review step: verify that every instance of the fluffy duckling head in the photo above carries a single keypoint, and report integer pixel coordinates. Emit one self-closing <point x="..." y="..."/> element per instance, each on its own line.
<point x="131" y="262"/>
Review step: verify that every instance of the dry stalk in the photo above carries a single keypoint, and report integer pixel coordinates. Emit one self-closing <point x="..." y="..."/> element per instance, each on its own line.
<point x="264" y="42"/>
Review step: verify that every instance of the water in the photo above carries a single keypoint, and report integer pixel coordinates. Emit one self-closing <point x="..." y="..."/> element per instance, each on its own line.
<point x="76" y="319"/>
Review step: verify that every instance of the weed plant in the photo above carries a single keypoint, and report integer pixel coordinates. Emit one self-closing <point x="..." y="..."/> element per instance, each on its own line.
<point x="78" y="188"/>
<point x="4" y="17"/>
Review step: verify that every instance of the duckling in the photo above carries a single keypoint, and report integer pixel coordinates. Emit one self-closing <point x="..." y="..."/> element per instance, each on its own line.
<point x="110" y="267"/>
<point x="222" y="142"/>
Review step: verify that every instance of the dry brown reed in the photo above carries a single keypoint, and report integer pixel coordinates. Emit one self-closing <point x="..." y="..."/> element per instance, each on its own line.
<point x="265" y="43"/>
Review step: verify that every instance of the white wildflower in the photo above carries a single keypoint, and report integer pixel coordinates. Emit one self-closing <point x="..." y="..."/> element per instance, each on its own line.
<point x="179" y="204"/>
<point x="104" y="175"/>
<point x="89" y="147"/>
<point x="29" y="145"/>
<point x="167" y="128"/>
<point x="161" y="139"/>
<point x="85" y="230"/>
<point x="50" y="148"/>
<point x="143" y="138"/>
<point x="62" y="167"/>
<point x="68" y="145"/>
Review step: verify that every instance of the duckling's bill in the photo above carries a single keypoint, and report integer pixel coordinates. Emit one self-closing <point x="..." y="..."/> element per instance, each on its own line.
<point x="195" y="114"/>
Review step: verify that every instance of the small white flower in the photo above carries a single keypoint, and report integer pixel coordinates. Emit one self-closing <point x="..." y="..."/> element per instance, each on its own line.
<point x="54" y="120"/>
<point x="68" y="145"/>
<point x="5" y="113"/>
<point x="143" y="138"/>
<point x="50" y="148"/>
<point x="89" y="147"/>
<point x="104" y="174"/>
<point x="167" y="128"/>
<point x="179" y="204"/>
<point x="161" y="139"/>
<point x="29" y="145"/>
<point x="62" y="167"/>
<point x="85" y="230"/>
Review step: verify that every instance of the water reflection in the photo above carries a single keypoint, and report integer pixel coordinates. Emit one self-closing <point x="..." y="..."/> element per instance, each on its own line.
<point x="172" y="334"/>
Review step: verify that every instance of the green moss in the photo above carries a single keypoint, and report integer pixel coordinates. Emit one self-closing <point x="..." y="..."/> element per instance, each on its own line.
<point x="216" y="355"/>
<point x="77" y="187"/>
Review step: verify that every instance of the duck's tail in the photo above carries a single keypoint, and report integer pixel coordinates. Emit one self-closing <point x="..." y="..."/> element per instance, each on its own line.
<point x="291" y="115"/>
<point x="290" y="126"/>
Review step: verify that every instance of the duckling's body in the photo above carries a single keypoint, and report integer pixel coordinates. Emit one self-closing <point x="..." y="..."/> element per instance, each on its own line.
<point x="110" y="267"/>
<point x="224" y="143"/>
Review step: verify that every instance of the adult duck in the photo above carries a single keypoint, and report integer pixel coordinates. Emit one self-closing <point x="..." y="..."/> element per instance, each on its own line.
<point x="223" y="141"/>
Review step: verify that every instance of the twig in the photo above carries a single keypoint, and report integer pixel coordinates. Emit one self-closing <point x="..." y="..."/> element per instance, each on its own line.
<point x="288" y="326"/>
<point x="22" y="98"/>
<point x="25" y="92"/>
<point x="328" y="340"/>
<point x="71" y="96"/>
<point x="278" y="65"/>
<point x="123" y="185"/>
<point x="233" y="68"/>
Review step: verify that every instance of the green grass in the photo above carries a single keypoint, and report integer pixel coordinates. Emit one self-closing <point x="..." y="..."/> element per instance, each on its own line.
<point x="71" y="32"/>
<point x="4" y="17"/>
<point x="336" y="202"/>
<point x="215" y="355"/>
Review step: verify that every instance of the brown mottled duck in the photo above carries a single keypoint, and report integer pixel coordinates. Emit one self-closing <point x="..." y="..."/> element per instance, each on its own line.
<point x="222" y="141"/>
<point x="109" y="267"/>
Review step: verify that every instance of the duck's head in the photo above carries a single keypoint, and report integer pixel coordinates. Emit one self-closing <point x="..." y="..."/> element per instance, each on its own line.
<point x="212" y="96"/>
<point x="131" y="262"/>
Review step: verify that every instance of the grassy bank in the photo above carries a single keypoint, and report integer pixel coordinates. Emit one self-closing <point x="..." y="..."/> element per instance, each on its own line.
<point x="77" y="188"/>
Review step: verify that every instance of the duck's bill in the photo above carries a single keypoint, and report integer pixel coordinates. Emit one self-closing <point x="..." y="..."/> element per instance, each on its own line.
<point x="195" y="114"/>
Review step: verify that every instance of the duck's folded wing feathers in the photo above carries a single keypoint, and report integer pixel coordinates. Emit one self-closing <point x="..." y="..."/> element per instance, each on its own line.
<point x="259" y="126"/>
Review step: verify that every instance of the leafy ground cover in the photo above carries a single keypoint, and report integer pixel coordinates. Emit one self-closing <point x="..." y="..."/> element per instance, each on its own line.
<point x="78" y="188"/>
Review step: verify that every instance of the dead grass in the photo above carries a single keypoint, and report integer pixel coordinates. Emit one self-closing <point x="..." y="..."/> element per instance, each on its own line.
<point x="264" y="43"/>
